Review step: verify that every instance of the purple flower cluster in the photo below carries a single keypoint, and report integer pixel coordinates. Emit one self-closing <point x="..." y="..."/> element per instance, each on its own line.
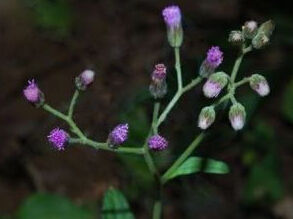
<point x="58" y="138"/>
<point x="157" y="143"/>
<point x="172" y="16"/>
<point x="118" y="135"/>
<point x="32" y="92"/>
<point x="214" y="57"/>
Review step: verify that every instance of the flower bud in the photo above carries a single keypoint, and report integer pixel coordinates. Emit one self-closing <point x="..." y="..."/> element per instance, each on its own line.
<point x="58" y="138"/>
<point x="158" y="86"/>
<point x="236" y="37"/>
<point x="267" y="28"/>
<point x="172" y="18"/>
<point x="213" y="60"/>
<point x="157" y="143"/>
<point x="249" y="29"/>
<point x="206" y="117"/>
<point x="260" y="40"/>
<point x="259" y="84"/>
<point x="33" y="94"/>
<point x="237" y="116"/>
<point x="84" y="79"/>
<point x="118" y="135"/>
<point x="215" y="84"/>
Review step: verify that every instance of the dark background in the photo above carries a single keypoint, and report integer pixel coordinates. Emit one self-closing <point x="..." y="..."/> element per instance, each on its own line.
<point x="54" y="40"/>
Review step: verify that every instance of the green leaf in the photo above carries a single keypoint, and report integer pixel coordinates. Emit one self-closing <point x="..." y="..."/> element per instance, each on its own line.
<point x="199" y="164"/>
<point x="115" y="206"/>
<point x="287" y="106"/>
<point x="48" y="206"/>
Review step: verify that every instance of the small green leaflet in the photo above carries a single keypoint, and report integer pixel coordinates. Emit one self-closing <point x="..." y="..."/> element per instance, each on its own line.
<point x="199" y="164"/>
<point x="115" y="206"/>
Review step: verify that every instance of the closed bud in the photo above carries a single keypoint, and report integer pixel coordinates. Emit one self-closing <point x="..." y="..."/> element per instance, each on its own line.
<point x="85" y="79"/>
<point x="236" y="37"/>
<point x="206" y="117"/>
<point x="260" y="40"/>
<point x="158" y="86"/>
<point x="172" y="18"/>
<point x="215" y="84"/>
<point x="259" y="84"/>
<point x="249" y="29"/>
<point x="237" y="116"/>
<point x="267" y="28"/>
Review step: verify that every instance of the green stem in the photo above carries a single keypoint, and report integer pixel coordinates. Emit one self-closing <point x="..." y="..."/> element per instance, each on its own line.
<point x="243" y="81"/>
<point x="193" y="83"/>
<point x="178" y="67"/>
<point x="72" y="103"/>
<point x="157" y="211"/>
<point x="105" y="146"/>
<point x="55" y="112"/>
<point x="182" y="157"/>
<point x="155" y="117"/>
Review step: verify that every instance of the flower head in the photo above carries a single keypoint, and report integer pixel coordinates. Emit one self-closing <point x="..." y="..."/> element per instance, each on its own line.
<point x="118" y="135"/>
<point x="259" y="84"/>
<point x="172" y="16"/>
<point x="237" y="116"/>
<point x="214" y="56"/>
<point x="32" y="92"/>
<point x="159" y="73"/>
<point x="215" y="84"/>
<point x="206" y="117"/>
<point x="85" y="79"/>
<point x="249" y="29"/>
<point x="157" y="143"/>
<point x="58" y="138"/>
<point x="236" y="37"/>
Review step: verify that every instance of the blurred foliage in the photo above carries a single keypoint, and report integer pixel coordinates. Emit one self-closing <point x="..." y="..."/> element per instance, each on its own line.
<point x="287" y="106"/>
<point x="115" y="206"/>
<point x="49" y="206"/>
<point x="55" y="16"/>
<point x="264" y="180"/>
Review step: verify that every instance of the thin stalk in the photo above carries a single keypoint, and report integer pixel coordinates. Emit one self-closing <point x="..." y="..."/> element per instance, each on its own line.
<point x="157" y="210"/>
<point x="55" y="112"/>
<point x="155" y="117"/>
<point x="72" y="103"/>
<point x="182" y="157"/>
<point x="243" y="81"/>
<point x="178" y="67"/>
<point x="105" y="146"/>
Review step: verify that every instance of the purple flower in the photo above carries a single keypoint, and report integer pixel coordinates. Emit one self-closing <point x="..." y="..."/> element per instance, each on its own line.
<point x="85" y="79"/>
<point x="237" y="116"/>
<point x="159" y="73"/>
<point x="214" y="56"/>
<point x="157" y="143"/>
<point x="211" y="89"/>
<point x="58" y="138"/>
<point x="262" y="89"/>
<point x="118" y="135"/>
<point x="172" y="16"/>
<point x="32" y="92"/>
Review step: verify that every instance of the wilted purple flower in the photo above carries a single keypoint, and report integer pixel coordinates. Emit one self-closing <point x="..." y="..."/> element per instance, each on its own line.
<point x="237" y="116"/>
<point x="213" y="60"/>
<point x="85" y="79"/>
<point x="58" y="138"/>
<point x="118" y="135"/>
<point x="214" y="56"/>
<point x="172" y="16"/>
<point x="157" y="143"/>
<point x="259" y="84"/>
<point x="32" y="92"/>
<point x="159" y="73"/>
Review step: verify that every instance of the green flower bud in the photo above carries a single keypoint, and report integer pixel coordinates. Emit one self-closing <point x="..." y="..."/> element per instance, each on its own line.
<point x="237" y="116"/>
<point x="236" y="37"/>
<point x="249" y="29"/>
<point x="206" y="117"/>
<point x="260" y="40"/>
<point x="259" y="84"/>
